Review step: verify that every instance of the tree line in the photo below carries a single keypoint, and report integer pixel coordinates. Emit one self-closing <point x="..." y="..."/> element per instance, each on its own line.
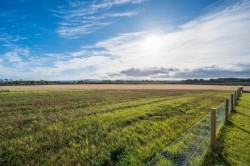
<point x="225" y="81"/>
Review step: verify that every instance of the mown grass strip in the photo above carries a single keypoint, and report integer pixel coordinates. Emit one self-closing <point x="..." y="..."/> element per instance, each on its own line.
<point x="234" y="138"/>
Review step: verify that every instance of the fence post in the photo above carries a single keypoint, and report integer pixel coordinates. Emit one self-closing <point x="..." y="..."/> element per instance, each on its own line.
<point x="235" y="98"/>
<point x="232" y="102"/>
<point x="213" y="128"/>
<point x="227" y="110"/>
<point x="241" y="90"/>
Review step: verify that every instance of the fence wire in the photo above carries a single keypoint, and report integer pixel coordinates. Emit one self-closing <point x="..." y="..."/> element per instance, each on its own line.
<point x="220" y="116"/>
<point x="191" y="147"/>
<point x="185" y="149"/>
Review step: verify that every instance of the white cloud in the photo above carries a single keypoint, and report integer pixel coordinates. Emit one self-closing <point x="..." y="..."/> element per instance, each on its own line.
<point x="220" y="39"/>
<point x="106" y="4"/>
<point x="122" y="14"/>
<point x="86" y="18"/>
<point x="10" y="38"/>
<point x="14" y="55"/>
<point x="73" y="31"/>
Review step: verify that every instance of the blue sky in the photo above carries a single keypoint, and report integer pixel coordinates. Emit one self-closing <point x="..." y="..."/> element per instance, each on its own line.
<point x="124" y="39"/>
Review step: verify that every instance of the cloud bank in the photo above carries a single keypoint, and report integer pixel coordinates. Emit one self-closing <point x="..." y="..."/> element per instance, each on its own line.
<point x="176" y="73"/>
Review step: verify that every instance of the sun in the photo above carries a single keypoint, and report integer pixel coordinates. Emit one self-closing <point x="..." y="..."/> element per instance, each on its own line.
<point x="151" y="44"/>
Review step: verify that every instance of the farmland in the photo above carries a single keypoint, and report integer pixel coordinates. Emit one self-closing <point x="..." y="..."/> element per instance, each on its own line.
<point x="96" y="127"/>
<point x="120" y="87"/>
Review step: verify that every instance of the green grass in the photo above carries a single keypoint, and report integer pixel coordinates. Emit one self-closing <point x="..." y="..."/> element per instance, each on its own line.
<point x="109" y="127"/>
<point x="234" y="139"/>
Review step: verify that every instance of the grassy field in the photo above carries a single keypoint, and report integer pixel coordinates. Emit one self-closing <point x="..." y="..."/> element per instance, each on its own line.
<point x="234" y="140"/>
<point x="105" y="127"/>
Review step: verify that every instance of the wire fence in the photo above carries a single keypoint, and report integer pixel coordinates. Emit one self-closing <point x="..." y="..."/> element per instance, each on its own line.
<point x="191" y="147"/>
<point x="220" y="116"/>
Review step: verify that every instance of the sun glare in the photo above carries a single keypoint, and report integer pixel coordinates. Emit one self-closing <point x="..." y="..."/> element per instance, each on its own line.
<point x="152" y="44"/>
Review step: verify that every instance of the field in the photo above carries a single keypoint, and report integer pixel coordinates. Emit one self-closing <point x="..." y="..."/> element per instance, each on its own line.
<point x="121" y="87"/>
<point x="96" y="127"/>
<point x="234" y="140"/>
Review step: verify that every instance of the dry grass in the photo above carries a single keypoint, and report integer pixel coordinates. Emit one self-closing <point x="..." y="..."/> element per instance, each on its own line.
<point x="121" y="87"/>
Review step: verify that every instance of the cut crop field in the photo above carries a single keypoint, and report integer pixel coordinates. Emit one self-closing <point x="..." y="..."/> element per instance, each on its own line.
<point x="121" y="87"/>
<point x="96" y="127"/>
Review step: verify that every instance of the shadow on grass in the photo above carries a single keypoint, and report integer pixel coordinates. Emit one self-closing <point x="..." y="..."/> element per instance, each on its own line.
<point x="242" y="114"/>
<point x="243" y="108"/>
<point x="237" y="112"/>
<point x="231" y="124"/>
<point x="219" y="156"/>
<point x="215" y="158"/>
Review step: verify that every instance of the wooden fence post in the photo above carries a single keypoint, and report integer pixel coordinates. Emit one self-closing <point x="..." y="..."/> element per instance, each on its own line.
<point x="232" y="102"/>
<point x="227" y="110"/>
<point x="241" y="90"/>
<point x="213" y="129"/>
<point x="235" y="98"/>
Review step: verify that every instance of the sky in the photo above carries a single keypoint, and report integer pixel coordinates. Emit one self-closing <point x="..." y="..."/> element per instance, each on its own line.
<point x="124" y="39"/>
